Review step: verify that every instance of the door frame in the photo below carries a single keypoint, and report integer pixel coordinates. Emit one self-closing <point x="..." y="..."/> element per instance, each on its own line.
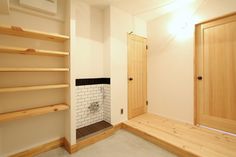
<point x="197" y="48"/>
<point x="128" y="36"/>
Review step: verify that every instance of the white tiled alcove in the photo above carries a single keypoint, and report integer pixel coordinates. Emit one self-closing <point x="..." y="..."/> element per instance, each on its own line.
<point x="87" y="94"/>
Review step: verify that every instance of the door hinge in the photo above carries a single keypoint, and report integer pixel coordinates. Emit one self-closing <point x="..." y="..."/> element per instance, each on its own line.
<point x="146" y="103"/>
<point x="146" y="47"/>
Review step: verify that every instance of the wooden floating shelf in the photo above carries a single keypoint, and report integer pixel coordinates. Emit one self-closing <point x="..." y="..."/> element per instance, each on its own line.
<point x="32" y="88"/>
<point x="27" y="33"/>
<point x="34" y="69"/>
<point x="28" y="51"/>
<point x="32" y="112"/>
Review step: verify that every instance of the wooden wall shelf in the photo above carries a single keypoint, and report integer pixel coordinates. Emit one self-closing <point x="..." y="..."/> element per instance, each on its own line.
<point x="7" y="51"/>
<point x="32" y="88"/>
<point x="32" y="112"/>
<point x="29" y="51"/>
<point x="27" y="33"/>
<point x="34" y="69"/>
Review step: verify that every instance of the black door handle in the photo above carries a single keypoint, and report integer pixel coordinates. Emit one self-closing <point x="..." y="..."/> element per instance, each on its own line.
<point x="200" y="78"/>
<point x="130" y="79"/>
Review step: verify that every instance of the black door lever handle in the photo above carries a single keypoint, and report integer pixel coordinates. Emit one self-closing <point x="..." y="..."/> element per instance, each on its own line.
<point x="199" y="78"/>
<point x="130" y="79"/>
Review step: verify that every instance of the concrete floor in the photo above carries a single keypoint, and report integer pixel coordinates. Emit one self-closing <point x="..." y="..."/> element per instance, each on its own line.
<point x="121" y="144"/>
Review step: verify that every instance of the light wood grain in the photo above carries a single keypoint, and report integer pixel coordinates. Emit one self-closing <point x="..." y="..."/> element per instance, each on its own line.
<point x="15" y="31"/>
<point x="30" y="51"/>
<point x="6" y="69"/>
<point x="67" y="146"/>
<point x="40" y="149"/>
<point x="27" y="33"/>
<point x="32" y="88"/>
<point x="137" y="69"/>
<point x="216" y="61"/>
<point x="32" y="112"/>
<point x="162" y="143"/>
<point x="197" y="72"/>
<point x="216" y="18"/>
<point x="182" y="139"/>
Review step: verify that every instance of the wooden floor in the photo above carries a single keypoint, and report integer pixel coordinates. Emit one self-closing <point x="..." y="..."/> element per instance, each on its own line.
<point x="182" y="139"/>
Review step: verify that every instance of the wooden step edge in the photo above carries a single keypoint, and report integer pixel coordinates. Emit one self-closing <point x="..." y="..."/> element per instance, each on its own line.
<point x="157" y="141"/>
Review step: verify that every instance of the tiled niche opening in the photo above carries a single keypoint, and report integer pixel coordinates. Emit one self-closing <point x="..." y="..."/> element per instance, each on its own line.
<point x="93" y="111"/>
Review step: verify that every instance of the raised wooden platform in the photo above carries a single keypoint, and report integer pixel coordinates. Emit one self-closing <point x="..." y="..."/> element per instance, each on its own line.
<point x="185" y="140"/>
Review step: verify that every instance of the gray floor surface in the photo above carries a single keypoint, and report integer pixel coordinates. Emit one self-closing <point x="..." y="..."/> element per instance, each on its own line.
<point x="121" y="144"/>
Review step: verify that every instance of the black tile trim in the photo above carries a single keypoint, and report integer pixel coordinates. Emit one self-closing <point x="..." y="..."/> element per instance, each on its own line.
<point x="92" y="81"/>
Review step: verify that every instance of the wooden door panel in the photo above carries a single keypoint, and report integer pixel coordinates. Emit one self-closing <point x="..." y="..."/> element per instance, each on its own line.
<point x="219" y="71"/>
<point x="216" y="62"/>
<point x="137" y="70"/>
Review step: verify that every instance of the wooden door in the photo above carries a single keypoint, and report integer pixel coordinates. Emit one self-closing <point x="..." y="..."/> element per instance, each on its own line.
<point x="137" y="75"/>
<point x="215" y="73"/>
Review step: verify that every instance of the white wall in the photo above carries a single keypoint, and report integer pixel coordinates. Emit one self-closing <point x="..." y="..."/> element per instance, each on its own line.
<point x="70" y="134"/>
<point x="139" y="27"/>
<point x="121" y="23"/>
<point x="107" y="39"/>
<point x="87" y="43"/>
<point x="170" y="58"/>
<point x="99" y="49"/>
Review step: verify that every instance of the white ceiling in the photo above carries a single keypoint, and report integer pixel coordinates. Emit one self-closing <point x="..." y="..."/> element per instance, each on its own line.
<point x="100" y="3"/>
<point x="145" y="9"/>
<point x="138" y="6"/>
<point x="132" y="6"/>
